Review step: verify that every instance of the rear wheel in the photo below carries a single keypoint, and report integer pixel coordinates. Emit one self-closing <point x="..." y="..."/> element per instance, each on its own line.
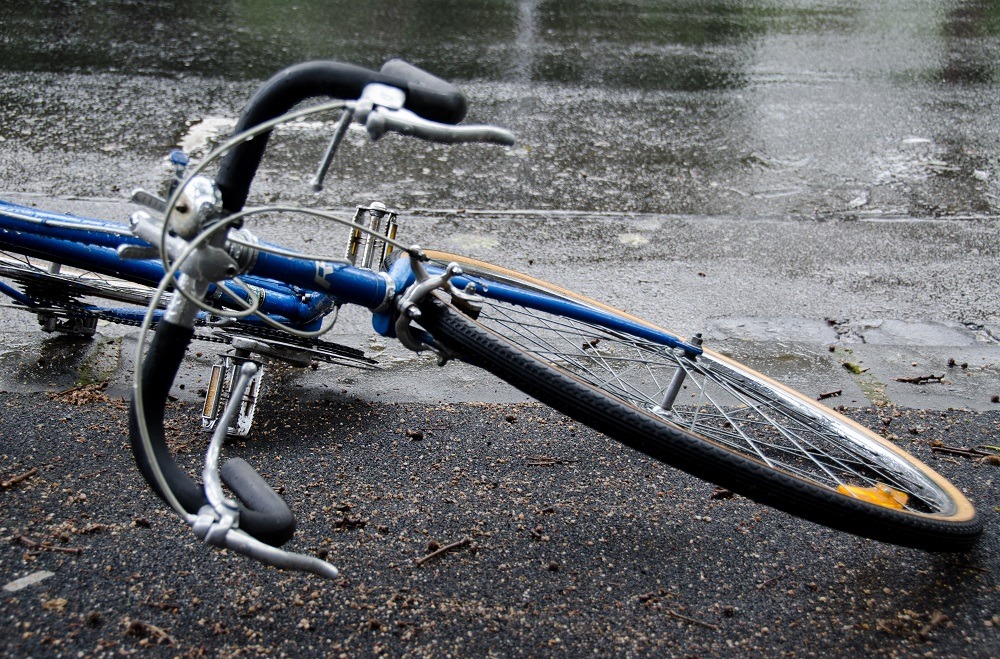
<point x="726" y="424"/>
<point x="67" y="300"/>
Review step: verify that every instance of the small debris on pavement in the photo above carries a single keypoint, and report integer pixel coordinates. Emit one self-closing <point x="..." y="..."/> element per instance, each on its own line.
<point x="721" y="493"/>
<point x="24" y="582"/>
<point x="11" y="482"/>
<point x="854" y="368"/>
<point x="693" y="621"/>
<point x="442" y="550"/>
<point x="965" y="452"/>
<point x="922" y="379"/>
<point x="146" y="633"/>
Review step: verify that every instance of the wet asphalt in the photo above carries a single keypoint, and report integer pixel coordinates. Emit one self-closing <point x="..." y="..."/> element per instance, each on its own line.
<point x="811" y="188"/>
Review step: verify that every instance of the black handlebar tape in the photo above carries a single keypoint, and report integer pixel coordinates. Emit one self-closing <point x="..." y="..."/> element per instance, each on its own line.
<point x="259" y="517"/>
<point x="439" y="101"/>
<point x="427" y="95"/>
<point x="263" y="509"/>
<point x="427" y="82"/>
<point x="166" y="352"/>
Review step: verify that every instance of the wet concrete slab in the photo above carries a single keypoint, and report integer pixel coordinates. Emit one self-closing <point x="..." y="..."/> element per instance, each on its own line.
<point x="930" y="377"/>
<point x="890" y="332"/>
<point x="779" y="295"/>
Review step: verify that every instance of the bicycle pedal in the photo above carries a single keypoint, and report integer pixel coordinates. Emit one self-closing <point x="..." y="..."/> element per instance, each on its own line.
<point x="220" y="387"/>
<point x="373" y="225"/>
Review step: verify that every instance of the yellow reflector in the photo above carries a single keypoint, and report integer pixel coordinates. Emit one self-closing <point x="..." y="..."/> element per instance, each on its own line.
<point x="211" y="406"/>
<point x="880" y="495"/>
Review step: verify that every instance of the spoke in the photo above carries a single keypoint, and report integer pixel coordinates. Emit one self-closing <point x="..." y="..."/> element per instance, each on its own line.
<point x="852" y="455"/>
<point x="785" y="432"/>
<point x="722" y="405"/>
<point x="577" y="358"/>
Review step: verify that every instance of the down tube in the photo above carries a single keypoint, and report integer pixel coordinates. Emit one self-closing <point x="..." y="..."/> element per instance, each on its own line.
<point x="343" y="282"/>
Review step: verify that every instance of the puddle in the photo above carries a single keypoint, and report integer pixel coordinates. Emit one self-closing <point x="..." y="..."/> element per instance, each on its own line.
<point x="203" y="134"/>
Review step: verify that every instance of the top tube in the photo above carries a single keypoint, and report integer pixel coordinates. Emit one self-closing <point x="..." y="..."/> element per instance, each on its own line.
<point x="14" y="217"/>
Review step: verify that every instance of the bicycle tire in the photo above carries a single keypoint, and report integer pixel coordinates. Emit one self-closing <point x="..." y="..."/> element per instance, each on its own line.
<point x="935" y="516"/>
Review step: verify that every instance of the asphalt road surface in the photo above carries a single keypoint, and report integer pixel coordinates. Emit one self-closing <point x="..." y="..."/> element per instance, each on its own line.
<point x="810" y="187"/>
<point x="573" y="545"/>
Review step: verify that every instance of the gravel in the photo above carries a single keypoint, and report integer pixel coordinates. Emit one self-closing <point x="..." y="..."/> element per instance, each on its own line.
<point x="550" y="540"/>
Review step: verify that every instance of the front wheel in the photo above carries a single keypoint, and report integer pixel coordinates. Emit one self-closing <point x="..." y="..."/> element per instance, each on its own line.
<point x="725" y="423"/>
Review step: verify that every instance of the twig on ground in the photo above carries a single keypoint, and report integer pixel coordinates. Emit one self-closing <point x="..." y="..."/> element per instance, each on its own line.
<point x="17" y="479"/>
<point x="693" y="621"/>
<point x="922" y="379"/>
<point x="173" y="608"/>
<point x="434" y="554"/>
<point x="43" y="546"/>
<point x="962" y="451"/>
<point x="770" y="582"/>
<point x="546" y="461"/>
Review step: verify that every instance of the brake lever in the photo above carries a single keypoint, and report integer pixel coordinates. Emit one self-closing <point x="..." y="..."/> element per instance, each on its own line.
<point x="383" y="120"/>
<point x="331" y="150"/>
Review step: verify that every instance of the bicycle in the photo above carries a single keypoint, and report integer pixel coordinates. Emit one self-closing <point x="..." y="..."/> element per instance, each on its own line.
<point x="200" y="273"/>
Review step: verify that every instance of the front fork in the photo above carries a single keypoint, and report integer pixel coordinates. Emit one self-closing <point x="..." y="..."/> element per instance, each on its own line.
<point x="409" y="275"/>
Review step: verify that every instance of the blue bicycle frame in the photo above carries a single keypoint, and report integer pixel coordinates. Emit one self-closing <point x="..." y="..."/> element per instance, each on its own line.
<point x="92" y="245"/>
<point x="294" y="291"/>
